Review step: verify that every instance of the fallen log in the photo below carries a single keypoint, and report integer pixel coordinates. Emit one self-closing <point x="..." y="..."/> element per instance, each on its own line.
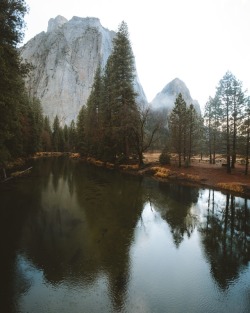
<point x="20" y="173"/>
<point x="15" y="174"/>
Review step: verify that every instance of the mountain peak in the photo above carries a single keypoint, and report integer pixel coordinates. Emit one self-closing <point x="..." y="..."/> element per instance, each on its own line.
<point x="175" y="87"/>
<point x="166" y="98"/>
<point x="56" y="22"/>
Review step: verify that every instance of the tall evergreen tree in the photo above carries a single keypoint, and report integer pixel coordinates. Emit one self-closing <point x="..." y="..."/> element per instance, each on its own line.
<point x="120" y="77"/>
<point x="245" y="133"/>
<point x="46" y="136"/>
<point x="56" y="134"/>
<point x="11" y="84"/>
<point x="93" y="122"/>
<point x="177" y="125"/>
<point x="72" y="136"/>
<point x="81" y="145"/>
<point x="213" y="122"/>
<point x="238" y="103"/>
<point x="36" y="122"/>
<point x="231" y="101"/>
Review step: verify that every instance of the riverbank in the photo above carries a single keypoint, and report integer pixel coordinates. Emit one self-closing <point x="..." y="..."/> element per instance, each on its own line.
<point x="199" y="173"/>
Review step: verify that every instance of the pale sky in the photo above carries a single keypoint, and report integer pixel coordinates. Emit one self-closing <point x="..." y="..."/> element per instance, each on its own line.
<point x="194" y="40"/>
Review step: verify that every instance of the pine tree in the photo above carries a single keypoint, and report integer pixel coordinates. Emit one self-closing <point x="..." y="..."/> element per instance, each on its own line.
<point x="56" y="134"/>
<point x="12" y="92"/>
<point x="245" y="133"/>
<point x="213" y="122"/>
<point x="177" y="125"/>
<point x="120" y="77"/>
<point x="72" y="136"/>
<point x="231" y="102"/>
<point x="93" y="123"/>
<point x="36" y="121"/>
<point x="81" y="132"/>
<point x="46" y="136"/>
<point x="237" y="115"/>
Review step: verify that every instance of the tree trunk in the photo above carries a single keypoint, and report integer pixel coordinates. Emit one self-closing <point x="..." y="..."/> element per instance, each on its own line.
<point x="4" y="174"/>
<point x="247" y="153"/>
<point x="179" y="159"/>
<point x="234" y="149"/>
<point x="228" y="143"/>
<point x="140" y="157"/>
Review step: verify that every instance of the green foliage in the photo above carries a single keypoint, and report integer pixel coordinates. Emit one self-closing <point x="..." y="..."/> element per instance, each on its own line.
<point x="185" y="127"/>
<point x="20" y="116"/>
<point x="224" y="115"/>
<point x="177" y="126"/>
<point x="107" y="126"/>
<point x="81" y="138"/>
<point x="46" y="135"/>
<point x="72" y="136"/>
<point x="12" y="21"/>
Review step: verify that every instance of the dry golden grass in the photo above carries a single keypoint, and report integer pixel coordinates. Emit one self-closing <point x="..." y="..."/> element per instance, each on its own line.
<point x="235" y="187"/>
<point x="74" y="155"/>
<point x="110" y="165"/>
<point x="191" y="177"/>
<point x="95" y="162"/>
<point x="129" y="167"/>
<point x="161" y="172"/>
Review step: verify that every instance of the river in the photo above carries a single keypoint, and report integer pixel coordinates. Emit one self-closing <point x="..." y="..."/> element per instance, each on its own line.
<point x="76" y="238"/>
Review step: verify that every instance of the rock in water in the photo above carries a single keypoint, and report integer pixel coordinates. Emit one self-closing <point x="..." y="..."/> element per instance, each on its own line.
<point x="65" y="59"/>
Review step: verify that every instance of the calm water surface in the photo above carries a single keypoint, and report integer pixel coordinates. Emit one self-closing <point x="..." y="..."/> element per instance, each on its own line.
<point x="75" y="238"/>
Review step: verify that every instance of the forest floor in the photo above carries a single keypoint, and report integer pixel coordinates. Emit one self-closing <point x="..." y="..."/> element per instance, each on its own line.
<point x="200" y="172"/>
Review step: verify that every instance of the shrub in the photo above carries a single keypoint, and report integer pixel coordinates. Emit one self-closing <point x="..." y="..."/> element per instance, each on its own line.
<point x="164" y="158"/>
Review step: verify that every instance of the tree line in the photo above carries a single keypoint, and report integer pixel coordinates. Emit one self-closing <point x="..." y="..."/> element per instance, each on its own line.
<point x="227" y="121"/>
<point x="112" y="126"/>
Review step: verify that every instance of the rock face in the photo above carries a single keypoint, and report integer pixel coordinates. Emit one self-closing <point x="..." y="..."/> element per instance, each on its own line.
<point x="65" y="59"/>
<point x="166" y="98"/>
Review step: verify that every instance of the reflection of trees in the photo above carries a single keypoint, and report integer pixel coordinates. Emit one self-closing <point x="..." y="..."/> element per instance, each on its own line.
<point x="91" y="233"/>
<point x="226" y="238"/>
<point x="57" y="168"/>
<point x="18" y="200"/>
<point x="175" y="204"/>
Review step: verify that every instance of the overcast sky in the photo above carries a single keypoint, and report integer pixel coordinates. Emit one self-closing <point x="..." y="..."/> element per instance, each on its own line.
<point x="194" y="40"/>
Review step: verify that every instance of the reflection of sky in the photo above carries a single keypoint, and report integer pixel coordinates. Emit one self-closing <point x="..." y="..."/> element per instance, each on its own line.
<point x="67" y="296"/>
<point x="163" y="276"/>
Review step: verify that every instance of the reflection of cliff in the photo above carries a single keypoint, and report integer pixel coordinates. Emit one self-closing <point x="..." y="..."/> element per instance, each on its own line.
<point x="85" y="226"/>
<point x="175" y="204"/>
<point x="226" y="238"/>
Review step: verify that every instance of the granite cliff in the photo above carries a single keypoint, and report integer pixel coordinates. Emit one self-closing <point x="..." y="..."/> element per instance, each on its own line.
<point x="65" y="59"/>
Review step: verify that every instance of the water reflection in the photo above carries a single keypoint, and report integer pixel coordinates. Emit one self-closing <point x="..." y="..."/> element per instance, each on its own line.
<point x="87" y="239"/>
<point x="84" y="227"/>
<point x="175" y="203"/>
<point x="225" y="235"/>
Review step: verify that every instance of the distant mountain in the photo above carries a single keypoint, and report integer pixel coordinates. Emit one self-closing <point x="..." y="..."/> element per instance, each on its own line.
<point x="65" y="59"/>
<point x="166" y="98"/>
